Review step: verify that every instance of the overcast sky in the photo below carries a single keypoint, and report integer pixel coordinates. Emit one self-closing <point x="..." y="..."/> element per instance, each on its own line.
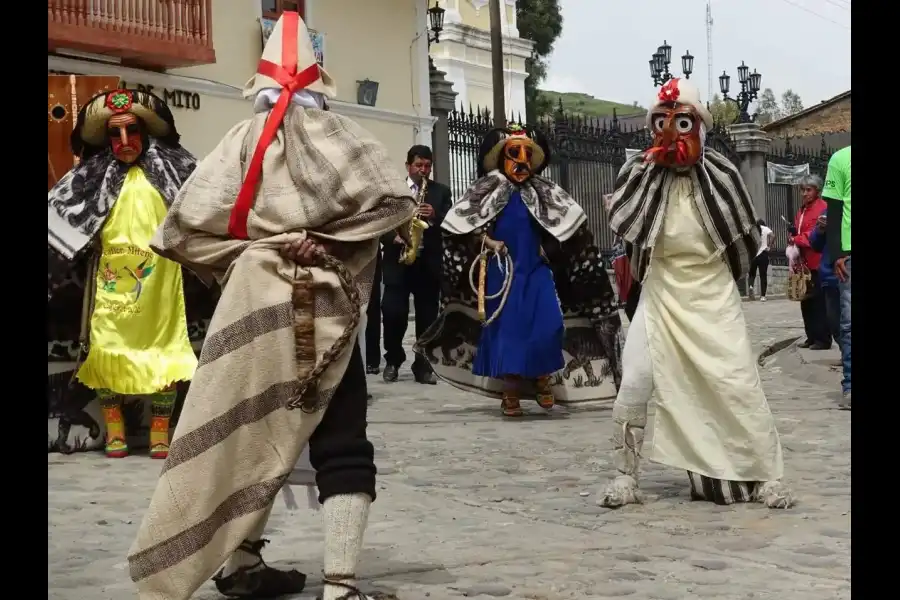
<point x="606" y="44"/>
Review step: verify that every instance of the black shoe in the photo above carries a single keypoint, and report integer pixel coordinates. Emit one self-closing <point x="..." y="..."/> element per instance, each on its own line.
<point x="252" y="582"/>
<point x="427" y="378"/>
<point x="390" y="374"/>
<point x="805" y="344"/>
<point x="370" y="370"/>
<point x="820" y="346"/>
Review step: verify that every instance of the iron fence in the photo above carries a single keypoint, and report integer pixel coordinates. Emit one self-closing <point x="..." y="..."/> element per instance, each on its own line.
<point x="586" y="156"/>
<point x="783" y="201"/>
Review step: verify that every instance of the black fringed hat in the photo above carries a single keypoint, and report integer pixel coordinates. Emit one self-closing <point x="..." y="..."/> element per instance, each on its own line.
<point x="90" y="128"/>
<point x="491" y="151"/>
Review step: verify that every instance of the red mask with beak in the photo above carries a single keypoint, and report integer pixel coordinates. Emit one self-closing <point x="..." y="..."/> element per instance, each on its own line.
<point x="676" y="131"/>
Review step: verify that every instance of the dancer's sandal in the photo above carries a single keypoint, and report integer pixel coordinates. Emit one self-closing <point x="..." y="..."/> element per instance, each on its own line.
<point x="544" y="395"/>
<point x="259" y="584"/>
<point x="116" y="448"/>
<point x="510" y="405"/>
<point x="353" y="592"/>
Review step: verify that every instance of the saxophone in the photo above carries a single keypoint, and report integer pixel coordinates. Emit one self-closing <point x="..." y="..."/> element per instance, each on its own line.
<point x="417" y="228"/>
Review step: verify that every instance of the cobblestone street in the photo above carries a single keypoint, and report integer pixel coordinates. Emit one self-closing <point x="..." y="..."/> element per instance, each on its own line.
<point x="471" y="505"/>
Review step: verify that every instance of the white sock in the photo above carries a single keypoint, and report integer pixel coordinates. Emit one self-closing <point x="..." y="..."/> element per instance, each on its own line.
<point x="244" y="559"/>
<point x="346" y="516"/>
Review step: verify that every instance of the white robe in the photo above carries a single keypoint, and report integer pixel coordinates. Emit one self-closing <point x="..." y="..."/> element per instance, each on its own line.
<point x="712" y="417"/>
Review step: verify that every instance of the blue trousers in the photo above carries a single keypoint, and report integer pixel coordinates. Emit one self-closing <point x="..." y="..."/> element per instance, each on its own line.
<point x="845" y="328"/>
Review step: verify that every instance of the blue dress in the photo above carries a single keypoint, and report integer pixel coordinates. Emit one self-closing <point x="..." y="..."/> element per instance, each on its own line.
<point x="526" y="338"/>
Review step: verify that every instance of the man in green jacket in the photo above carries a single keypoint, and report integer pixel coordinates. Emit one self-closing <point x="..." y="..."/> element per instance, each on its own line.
<point x="837" y="193"/>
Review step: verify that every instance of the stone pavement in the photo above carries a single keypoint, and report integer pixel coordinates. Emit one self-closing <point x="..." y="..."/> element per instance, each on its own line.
<point x="473" y="506"/>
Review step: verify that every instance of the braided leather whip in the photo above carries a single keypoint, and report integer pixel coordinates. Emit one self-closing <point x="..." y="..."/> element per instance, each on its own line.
<point x="307" y="402"/>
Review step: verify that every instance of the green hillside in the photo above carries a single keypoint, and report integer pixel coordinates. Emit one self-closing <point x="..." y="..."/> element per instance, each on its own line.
<point x="588" y="106"/>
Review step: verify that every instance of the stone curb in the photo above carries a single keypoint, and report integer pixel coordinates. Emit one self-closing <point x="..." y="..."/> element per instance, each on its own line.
<point x="774" y="348"/>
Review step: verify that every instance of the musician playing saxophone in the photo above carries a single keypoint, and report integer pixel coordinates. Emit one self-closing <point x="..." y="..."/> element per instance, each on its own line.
<point x="422" y="278"/>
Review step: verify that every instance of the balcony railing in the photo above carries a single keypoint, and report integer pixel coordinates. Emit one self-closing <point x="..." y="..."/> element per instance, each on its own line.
<point x="146" y="33"/>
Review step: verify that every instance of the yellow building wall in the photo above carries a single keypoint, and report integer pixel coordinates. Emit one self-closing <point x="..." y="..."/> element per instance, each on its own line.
<point x="370" y="40"/>
<point x="480" y="18"/>
<point x="237" y="38"/>
<point x="375" y="43"/>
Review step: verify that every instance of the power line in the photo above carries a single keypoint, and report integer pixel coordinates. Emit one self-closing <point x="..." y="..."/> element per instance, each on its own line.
<point x="812" y="12"/>
<point x="845" y="6"/>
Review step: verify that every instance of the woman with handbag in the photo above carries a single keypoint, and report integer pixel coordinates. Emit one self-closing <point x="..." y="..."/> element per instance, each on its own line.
<point x="812" y="302"/>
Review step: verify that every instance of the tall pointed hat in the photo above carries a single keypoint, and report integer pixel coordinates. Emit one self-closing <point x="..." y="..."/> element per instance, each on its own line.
<point x="288" y="48"/>
<point x="288" y="63"/>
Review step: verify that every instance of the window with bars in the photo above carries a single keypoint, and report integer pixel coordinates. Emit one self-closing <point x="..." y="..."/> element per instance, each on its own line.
<point x="272" y="9"/>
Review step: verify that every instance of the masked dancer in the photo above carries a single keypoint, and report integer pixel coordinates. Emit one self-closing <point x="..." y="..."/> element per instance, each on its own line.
<point x="101" y="216"/>
<point x="286" y="212"/>
<point x="524" y="286"/>
<point x="690" y="229"/>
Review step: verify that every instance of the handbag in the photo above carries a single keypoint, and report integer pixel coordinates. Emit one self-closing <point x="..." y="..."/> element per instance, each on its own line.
<point x="799" y="281"/>
<point x="798" y="284"/>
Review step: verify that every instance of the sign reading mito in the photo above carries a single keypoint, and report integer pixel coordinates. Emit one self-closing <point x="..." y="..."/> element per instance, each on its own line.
<point x="174" y="98"/>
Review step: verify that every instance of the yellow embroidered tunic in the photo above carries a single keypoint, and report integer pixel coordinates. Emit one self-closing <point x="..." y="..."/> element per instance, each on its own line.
<point x="138" y="340"/>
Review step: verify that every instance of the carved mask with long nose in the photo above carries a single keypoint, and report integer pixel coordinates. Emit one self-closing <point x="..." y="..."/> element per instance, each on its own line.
<point x="517" y="155"/>
<point x="676" y="136"/>
<point x="125" y="137"/>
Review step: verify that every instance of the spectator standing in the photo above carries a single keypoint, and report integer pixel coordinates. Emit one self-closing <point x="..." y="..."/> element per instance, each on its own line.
<point x="813" y="306"/>
<point x="761" y="262"/>
<point x="837" y="193"/>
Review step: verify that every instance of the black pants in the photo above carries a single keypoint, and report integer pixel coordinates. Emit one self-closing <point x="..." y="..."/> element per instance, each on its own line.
<point x="833" y="311"/>
<point x="761" y="262"/>
<point x="815" y="321"/>
<point x="339" y="451"/>
<point x="425" y="288"/>
<point x="373" y="319"/>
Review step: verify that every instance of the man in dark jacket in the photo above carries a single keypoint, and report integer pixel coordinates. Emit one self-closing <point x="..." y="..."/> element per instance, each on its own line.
<point x="421" y="279"/>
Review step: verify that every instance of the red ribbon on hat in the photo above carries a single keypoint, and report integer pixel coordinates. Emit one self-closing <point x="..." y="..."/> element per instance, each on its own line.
<point x="290" y="80"/>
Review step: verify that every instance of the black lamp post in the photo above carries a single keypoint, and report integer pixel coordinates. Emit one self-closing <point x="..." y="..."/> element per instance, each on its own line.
<point x="662" y="58"/>
<point x="750" y="84"/>
<point x="436" y="21"/>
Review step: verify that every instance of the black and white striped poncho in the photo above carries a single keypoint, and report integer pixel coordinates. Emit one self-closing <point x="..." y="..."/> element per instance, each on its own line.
<point x="641" y="198"/>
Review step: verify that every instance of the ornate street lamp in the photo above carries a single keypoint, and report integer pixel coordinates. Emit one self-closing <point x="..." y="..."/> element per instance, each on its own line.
<point x="436" y="21"/>
<point x="750" y="85"/>
<point x="662" y="58"/>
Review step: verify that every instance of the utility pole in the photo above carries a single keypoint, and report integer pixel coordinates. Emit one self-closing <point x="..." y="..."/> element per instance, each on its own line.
<point x="497" y="65"/>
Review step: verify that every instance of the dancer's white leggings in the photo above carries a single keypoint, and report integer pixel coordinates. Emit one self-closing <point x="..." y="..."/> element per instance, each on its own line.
<point x="637" y="367"/>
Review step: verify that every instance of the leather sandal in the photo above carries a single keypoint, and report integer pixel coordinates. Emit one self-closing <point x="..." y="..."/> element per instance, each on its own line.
<point x="510" y="405"/>
<point x="353" y="592"/>
<point x="544" y="395"/>
<point x="259" y="584"/>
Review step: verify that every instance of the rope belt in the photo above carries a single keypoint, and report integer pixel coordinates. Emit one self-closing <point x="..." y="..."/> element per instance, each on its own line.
<point x="505" y="264"/>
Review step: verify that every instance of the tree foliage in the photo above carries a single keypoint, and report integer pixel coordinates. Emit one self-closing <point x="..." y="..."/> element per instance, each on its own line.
<point x="723" y="112"/>
<point x="541" y="22"/>
<point x="769" y="109"/>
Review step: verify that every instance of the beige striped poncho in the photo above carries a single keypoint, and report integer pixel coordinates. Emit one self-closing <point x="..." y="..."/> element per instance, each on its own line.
<point x="236" y="442"/>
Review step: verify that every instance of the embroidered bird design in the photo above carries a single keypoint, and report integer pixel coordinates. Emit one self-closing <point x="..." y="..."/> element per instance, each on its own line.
<point x="140" y="273"/>
<point x="110" y="278"/>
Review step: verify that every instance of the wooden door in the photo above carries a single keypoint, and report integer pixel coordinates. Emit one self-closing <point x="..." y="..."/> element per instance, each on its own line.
<point x="65" y="96"/>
